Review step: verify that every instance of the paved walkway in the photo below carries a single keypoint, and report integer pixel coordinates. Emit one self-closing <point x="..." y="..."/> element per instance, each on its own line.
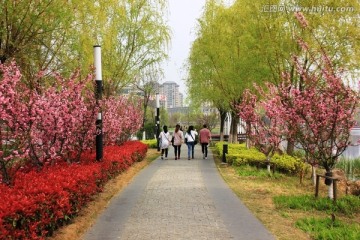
<point x="177" y="200"/>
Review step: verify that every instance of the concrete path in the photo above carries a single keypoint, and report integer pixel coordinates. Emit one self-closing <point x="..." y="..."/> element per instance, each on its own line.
<point x="178" y="200"/>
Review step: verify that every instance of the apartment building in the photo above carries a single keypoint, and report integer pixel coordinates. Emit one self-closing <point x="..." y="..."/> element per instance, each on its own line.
<point x="174" y="98"/>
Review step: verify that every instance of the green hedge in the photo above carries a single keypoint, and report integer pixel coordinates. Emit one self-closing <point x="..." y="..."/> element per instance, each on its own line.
<point x="152" y="143"/>
<point x="289" y="163"/>
<point x="238" y="154"/>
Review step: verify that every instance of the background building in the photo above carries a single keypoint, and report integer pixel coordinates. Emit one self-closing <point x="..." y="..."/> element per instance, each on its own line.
<point x="174" y="98"/>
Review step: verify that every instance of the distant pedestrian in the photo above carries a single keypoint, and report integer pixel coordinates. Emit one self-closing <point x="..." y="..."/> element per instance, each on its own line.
<point x="190" y="136"/>
<point x="204" y="139"/>
<point x="164" y="141"/>
<point x="178" y="138"/>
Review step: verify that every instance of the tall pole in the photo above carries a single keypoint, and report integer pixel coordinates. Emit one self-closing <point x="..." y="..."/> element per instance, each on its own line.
<point x="98" y="96"/>
<point x="157" y="120"/>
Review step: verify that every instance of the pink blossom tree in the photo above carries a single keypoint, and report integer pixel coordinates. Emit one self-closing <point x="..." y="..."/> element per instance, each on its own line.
<point x="14" y="121"/>
<point x="122" y="118"/>
<point x="321" y="113"/>
<point x="63" y="120"/>
<point x="265" y="126"/>
<point x="55" y="122"/>
<point x="43" y="124"/>
<point x="323" y="109"/>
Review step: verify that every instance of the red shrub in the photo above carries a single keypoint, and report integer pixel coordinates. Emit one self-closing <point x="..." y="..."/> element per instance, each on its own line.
<point x="40" y="202"/>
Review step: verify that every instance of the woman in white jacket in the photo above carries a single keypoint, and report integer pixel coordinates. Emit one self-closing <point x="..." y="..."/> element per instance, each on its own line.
<point x="190" y="136"/>
<point x="164" y="141"/>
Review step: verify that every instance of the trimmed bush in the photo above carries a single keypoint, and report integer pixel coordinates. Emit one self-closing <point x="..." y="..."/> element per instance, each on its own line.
<point x="152" y="143"/>
<point x="238" y="154"/>
<point x="287" y="163"/>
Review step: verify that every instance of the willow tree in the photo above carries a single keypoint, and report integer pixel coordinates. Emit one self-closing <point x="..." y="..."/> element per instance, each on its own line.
<point x="223" y="62"/>
<point x="59" y="37"/>
<point x="33" y="32"/>
<point x="203" y="80"/>
<point x="133" y="36"/>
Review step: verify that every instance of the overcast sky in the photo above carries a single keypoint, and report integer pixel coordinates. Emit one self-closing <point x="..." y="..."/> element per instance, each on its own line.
<point x="182" y="19"/>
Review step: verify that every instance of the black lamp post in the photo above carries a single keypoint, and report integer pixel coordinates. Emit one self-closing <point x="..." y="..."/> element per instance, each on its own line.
<point x="157" y="120"/>
<point x="98" y="96"/>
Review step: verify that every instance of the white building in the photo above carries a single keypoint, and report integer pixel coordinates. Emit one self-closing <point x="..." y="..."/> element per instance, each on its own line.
<point x="173" y="97"/>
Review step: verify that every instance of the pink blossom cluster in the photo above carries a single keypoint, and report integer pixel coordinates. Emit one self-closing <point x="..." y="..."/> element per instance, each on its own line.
<point x="14" y="120"/>
<point x="44" y="124"/>
<point x="322" y="114"/>
<point x="265" y="127"/>
<point x="63" y="120"/>
<point x="122" y="118"/>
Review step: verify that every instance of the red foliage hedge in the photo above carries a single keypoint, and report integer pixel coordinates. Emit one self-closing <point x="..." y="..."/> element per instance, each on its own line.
<point x="41" y="201"/>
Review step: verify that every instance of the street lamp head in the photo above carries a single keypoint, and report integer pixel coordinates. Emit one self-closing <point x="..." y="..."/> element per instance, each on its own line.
<point x="97" y="62"/>
<point x="157" y="100"/>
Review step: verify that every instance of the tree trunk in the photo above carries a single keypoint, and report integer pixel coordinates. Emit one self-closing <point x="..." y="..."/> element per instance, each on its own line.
<point x="145" y="105"/>
<point x="4" y="173"/>
<point x="331" y="190"/>
<point x="144" y="135"/>
<point x="233" y="128"/>
<point x="329" y="183"/>
<point x="248" y="132"/>
<point x="222" y="122"/>
<point x="290" y="146"/>
<point x="301" y="176"/>
<point x="313" y="174"/>
<point x="268" y="164"/>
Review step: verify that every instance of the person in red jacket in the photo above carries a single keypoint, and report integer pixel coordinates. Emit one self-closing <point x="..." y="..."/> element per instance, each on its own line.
<point x="204" y="138"/>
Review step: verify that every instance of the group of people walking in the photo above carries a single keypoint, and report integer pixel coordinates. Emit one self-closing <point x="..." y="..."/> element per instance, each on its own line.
<point x="189" y="138"/>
